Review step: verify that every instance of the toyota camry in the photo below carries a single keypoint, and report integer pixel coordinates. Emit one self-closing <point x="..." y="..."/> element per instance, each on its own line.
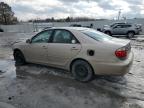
<point x="82" y="51"/>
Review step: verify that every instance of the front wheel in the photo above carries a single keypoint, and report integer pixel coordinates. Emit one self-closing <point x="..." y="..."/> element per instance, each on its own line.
<point x="82" y="71"/>
<point x="19" y="58"/>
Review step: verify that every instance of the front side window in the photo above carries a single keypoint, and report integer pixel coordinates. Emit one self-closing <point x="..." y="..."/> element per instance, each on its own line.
<point x="96" y="35"/>
<point x="42" y="37"/>
<point x="63" y="36"/>
<point x="119" y="26"/>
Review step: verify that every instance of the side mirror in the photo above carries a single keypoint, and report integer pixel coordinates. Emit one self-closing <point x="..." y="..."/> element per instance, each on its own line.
<point x="28" y="41"/>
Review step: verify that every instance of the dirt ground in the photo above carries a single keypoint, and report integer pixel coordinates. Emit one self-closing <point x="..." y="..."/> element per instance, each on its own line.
<point x="36" y="86"/>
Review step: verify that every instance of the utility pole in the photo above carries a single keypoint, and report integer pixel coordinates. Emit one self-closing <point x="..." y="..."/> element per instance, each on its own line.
<point x="119" y="13"/>
<point x="125" y="19"/>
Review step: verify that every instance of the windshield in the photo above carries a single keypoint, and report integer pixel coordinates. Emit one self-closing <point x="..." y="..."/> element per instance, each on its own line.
<point x="112" y="25"/>
<point x="97" y="35"/>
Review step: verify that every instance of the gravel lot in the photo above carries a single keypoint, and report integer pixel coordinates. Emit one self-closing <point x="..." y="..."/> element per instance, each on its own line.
<point x="36" y="86"/>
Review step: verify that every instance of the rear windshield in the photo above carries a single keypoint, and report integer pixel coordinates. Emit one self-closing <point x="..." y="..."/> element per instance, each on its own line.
<point x="96" y="35"/>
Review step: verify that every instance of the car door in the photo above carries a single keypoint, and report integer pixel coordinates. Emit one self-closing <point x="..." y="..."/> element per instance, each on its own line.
<point x="126" y="28"/>
<point x="36" y="50"/>
<point x="63" y="47"/>
<point x="117" y="30"/>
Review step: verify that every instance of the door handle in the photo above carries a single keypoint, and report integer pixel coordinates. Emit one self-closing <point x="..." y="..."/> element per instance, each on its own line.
<point x="74" y="48"/>
<point x="44" y="47"/>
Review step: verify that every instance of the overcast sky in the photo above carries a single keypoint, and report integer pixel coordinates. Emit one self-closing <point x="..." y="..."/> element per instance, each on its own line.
<point x="30" y="9"/>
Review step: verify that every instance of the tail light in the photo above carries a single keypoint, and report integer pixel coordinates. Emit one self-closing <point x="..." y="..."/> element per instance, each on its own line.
<point x="123" y="52"/>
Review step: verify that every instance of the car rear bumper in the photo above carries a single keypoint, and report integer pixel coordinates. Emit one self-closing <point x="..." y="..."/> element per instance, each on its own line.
<point x="120" y="68"/>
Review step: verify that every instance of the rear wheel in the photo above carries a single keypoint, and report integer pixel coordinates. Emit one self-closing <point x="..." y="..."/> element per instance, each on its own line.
<point x="82" y="71"/>
<point x="130" y="34"/>
<point x="19" y="58"/>
<point x="108" y="33"/>
<point x="1" y="30"/>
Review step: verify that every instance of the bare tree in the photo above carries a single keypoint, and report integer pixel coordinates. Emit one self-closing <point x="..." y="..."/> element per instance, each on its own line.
<point x="6" y="14"/>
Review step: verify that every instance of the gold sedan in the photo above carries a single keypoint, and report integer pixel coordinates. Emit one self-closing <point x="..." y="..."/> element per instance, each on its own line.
<point x="84" y="52"/>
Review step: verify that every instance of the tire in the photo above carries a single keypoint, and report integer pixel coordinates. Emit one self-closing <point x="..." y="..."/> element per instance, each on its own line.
<point x="82" y="71"/>
<point x="1" y="30"/>
<point x="19" y="58"/>
<point x="130" y="34"/>
<point x="108" y="33"/>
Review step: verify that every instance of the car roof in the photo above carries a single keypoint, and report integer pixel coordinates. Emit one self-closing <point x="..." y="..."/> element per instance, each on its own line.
<point x="122" y="23"/>
<point x="71" y="28"/>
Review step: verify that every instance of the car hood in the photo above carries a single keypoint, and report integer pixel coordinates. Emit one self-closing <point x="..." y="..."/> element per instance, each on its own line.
<point x="106" y="27"/>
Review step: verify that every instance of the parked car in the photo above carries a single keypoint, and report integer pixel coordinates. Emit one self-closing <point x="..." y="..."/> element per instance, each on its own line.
<point x="84" y="52"/>
<point x="126" y="29"/>
<point x="47" y="28"/>
<point x="137" y="26"/>
<point x="79" y="25"/>
<point x="75" y="25"/>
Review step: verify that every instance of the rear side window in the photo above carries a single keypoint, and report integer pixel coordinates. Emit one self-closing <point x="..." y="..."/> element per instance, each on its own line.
<point x="129" y="25"/>
<point x="125" y="26"/>
<point x="96" y="35"/>
<point x="63" y="36"/>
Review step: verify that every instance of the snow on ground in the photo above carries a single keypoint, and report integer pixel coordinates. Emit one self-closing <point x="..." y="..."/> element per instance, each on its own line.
<point x="36" y="86"/>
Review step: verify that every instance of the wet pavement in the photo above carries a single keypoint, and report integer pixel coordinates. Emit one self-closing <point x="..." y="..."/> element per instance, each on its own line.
<point x="36" y="86"/>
